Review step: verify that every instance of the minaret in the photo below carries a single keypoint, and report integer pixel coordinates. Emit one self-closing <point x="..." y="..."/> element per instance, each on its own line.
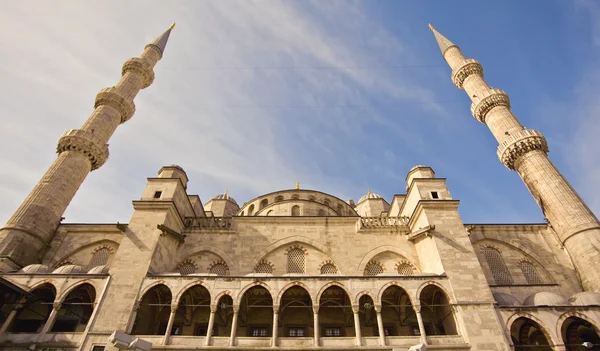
<point x="525" y="151"/>
<point x="27" y="234"/>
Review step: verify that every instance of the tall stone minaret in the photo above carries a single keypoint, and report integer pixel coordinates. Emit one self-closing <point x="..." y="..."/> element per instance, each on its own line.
<point x="525" y="151"/>
<point x="27" y="234"/>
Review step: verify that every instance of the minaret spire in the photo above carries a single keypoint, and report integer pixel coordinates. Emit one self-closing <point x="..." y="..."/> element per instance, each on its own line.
<point x="25" y="237"/>
<point x="442" y="41"/>
<point x="525" y="151"/>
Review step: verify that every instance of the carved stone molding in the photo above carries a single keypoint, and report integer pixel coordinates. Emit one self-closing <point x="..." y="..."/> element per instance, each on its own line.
<point x="86" y="143"/>
<point x="141" y="67"/>
<point x="467" y="67"/>
<point x="520" y="143"/>
<point x="113" y="98"/>
<point x="486" y="101"/>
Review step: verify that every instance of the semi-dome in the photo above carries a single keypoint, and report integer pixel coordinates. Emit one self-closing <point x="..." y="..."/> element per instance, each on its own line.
<point x="99" y="270"/>
<point x="69" y="269"/>
<point x="505" y="299"/>
<point x="586" y="298"/>
<point x="545" y="298"/>
<point x="35" y="269"/>
<point x="370" y="195"/>
<point x="224" y="196"/>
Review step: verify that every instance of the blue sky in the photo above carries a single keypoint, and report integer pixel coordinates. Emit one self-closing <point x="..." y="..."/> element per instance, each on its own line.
<point x="344" y="96"/>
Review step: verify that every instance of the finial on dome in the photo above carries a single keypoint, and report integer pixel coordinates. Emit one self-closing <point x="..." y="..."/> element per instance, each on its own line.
<point x="297" y="185"/>
<point x="173" y="25"/>
<point x="431" y="27"/>
<point x="225" y="193"/>
<point x="369" y="192"/>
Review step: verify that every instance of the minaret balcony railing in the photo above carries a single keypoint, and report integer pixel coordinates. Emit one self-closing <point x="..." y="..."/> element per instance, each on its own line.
<point x="466" y="68"/>
<point x="518" y="144"/>
<point x="86" y="143"/>
<point x="486" y="100"/>
<point x="141" y="67"/>
<point x="113" y="98"/>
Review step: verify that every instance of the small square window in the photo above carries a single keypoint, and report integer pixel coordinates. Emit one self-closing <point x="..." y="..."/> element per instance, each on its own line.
<point x="296" y="331"/>
<point x="98" y="348"/>
<point x="434" y="195"/>
<point x="332" y="331"/>
<point x="258" y="331"/>
<point x="157" y="194"/>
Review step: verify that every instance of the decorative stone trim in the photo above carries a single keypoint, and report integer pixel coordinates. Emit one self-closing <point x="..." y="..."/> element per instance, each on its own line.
<point x="264" y="263"/>
<point x="104" y="246"/>
<point x="399" y="267"/>
<point x="467" y="68"/>
<point x="184" y="266"/>
<point x="328" y="263"/>
<point x="518" y="144"/>
<point x="113" y="98"/>
<point x="486" y="101"/>
<point x="141" y="67"/>
<point x="85" y="142"/>
<point x="213" y="268"/>
<point x="292" y="247"/>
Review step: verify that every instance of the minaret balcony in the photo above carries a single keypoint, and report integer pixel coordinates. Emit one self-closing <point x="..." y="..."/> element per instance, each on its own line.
<point x="486" y="100"/>
<point x="466" y="68"/>
<point x="86" y="143"/>
<point x="113" y="98"/>
<point x="518" y="144"/>
<point x="141" y="67"/>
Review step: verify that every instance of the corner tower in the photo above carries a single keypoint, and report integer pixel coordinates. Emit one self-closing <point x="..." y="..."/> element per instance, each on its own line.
<point x="525" y="151"/>
<point x="26" y="235"/>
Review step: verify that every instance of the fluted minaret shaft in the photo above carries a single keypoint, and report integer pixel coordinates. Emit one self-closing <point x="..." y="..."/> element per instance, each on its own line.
<point x="525" y="151"/>
<point x="28" y="232"/>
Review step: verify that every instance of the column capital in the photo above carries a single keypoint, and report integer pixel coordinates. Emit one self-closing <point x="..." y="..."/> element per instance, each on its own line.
<point x="174" y="307"/>
<point x="315" y="309"/>
<point x="518" y="144"/>
<point x="275" y="308"/>
<point x="56" y="305"/>
<point x="236" y="308"/>
<point x="417" y="308"/>
<point x="213" y="308"/>
<point x="355" y="308"/>
<point x="466" y="68"/>
<point x="377" y="308"/>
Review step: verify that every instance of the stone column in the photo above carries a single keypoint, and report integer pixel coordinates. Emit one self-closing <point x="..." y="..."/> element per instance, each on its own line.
<point x="165" y="340"/>
<point x="275" y="326"/>
<point x="380" y="325"/>
<point x="417" y="309"/>
<point x="20" y="304"/>
<point x="357" y="325"/>
<point x="234" y="322"/>
<point x="316" y="326"/>
<point x="211" y="323"/>
<point x="51" y="318"/>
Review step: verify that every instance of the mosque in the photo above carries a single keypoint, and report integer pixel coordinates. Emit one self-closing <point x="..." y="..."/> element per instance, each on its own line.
<point x="299" y="269"/>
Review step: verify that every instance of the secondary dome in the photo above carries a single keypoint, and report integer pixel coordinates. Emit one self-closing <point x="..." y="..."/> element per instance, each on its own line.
<point x="35" y="269"/>
<point x="99" y="270"/>
<point x="224" y="196"/>
<point x="69" y="269"/>
<point x="370" y="195"/>
<point x="545" y="299"/>
<point x="505" y="299"/>
<point x="586" y="298"/>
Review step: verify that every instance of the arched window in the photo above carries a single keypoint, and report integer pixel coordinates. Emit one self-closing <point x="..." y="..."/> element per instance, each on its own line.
<point x="296" y="211"/>
<point x="373" y="268"/>
<point x="33" y="316"/>
<point x="405" y="269"/>
<point x="75" y="311"/>
<point x="269" y="212"/>
<point x="263" y="267"/>
<point x="329" y="268"/>
<point x="321" y="212"/>
<point x="219" y="268"/>
<point x="263" y="203"/>
<point x="340" y="208"/>
<point x="250" y="210"/>
<point x="311" y="198"/>
<point x="436" y="312"/>
<point x="295" y="197"/>
<point x="186" y="267"/>
<point x="326" y="202"/>
<point x="527" y="335"/>
<point x="100" y="257"/>
<point x="530" y="273"/>
<point x="497" y="266"/>
<point x="295" y="260"/>
<point x="279" y="198"/>
<point x="575" y="331"/>
<point x="153" y="314"/>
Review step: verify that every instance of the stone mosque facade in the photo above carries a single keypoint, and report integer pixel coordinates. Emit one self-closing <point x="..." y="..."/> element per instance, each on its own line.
<point x="299" y="269"/>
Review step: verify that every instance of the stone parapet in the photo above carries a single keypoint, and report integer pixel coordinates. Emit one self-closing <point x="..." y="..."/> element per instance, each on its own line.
<point x="141" y="67"/>
<point x="466" y="68"/>
<point x="113" y="98"/>
<point x="485" y="101"/>
<point x="518" y="144"/>
<point x="86" y="143"/>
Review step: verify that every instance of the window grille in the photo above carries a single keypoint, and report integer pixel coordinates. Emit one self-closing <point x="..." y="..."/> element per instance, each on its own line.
<point x="296" y="332"/>
<point x="497" y="266"/>
<point x="295" y="261"/>
<point x="332" y="331"/>
<point x="531" y="274"/>
<point x="219" y="268"/>
<point x="263" y="267"/>
<point x="296" y="211"/>
<point x="258" y="331"/>
<point x="321" y="212"/>
<point x="100" y="257"/>
<point x="186" y="268"/>
<point x="328" y="268"/>
<point x="405" y="269"/>
<point x="373" y="268"/>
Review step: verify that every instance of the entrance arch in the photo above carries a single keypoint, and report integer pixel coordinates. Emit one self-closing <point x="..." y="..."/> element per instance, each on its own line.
<point x="34" y="314"/>
<point x="399" y="317"/>
<point x="528" y="335"/>
<point x="153" y="314"/>
<point x="575" y="331"/>
<point x="436" y="311"/>
<point x="193" y="312"/>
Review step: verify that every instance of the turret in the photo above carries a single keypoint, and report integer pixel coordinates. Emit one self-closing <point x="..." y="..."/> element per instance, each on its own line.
<point x="27" y="234"/>
<point x="525" y="151"/>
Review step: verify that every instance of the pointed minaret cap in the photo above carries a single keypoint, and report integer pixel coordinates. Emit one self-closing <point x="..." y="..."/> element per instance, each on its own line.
<point x="160" y="43"/>
<point x="442" y="41"/>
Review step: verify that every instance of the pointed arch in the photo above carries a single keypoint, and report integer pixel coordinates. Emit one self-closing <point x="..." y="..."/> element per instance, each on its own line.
<point x="552" y="339"/>
<point x="329" y="285"/>
<point x="214" y="250"/>
<point x="113" y="245"/>
<point x="378" y="300"/>
<point x="218" y="297"/>
<point x="66" y="291"/>
<point x="291" y="285"/>
<point x="151" y="286"/>
<point x="177" y="297"/>
<point x="381" y="249"/>
<point x="580" y="315"/>
<point x="431" y="282"/>
<point x="241" y="293"/>
<point x="290" y="240"/>
<point x="362" y="293"/>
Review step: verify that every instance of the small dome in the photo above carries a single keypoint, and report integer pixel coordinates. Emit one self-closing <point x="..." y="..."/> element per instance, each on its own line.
<point x="586" y="298"/>
<point x="224" y="196"/>
<point x="69" y="269"/>
<point x="35" y="269"/>
<point x="370" y="195"/>
<point x="417" y="166"/>
<point x="99" y="270"/>
<point x="176" y="166"/>
<point x="545" y="299"/>
<point x="505" y="299"/>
